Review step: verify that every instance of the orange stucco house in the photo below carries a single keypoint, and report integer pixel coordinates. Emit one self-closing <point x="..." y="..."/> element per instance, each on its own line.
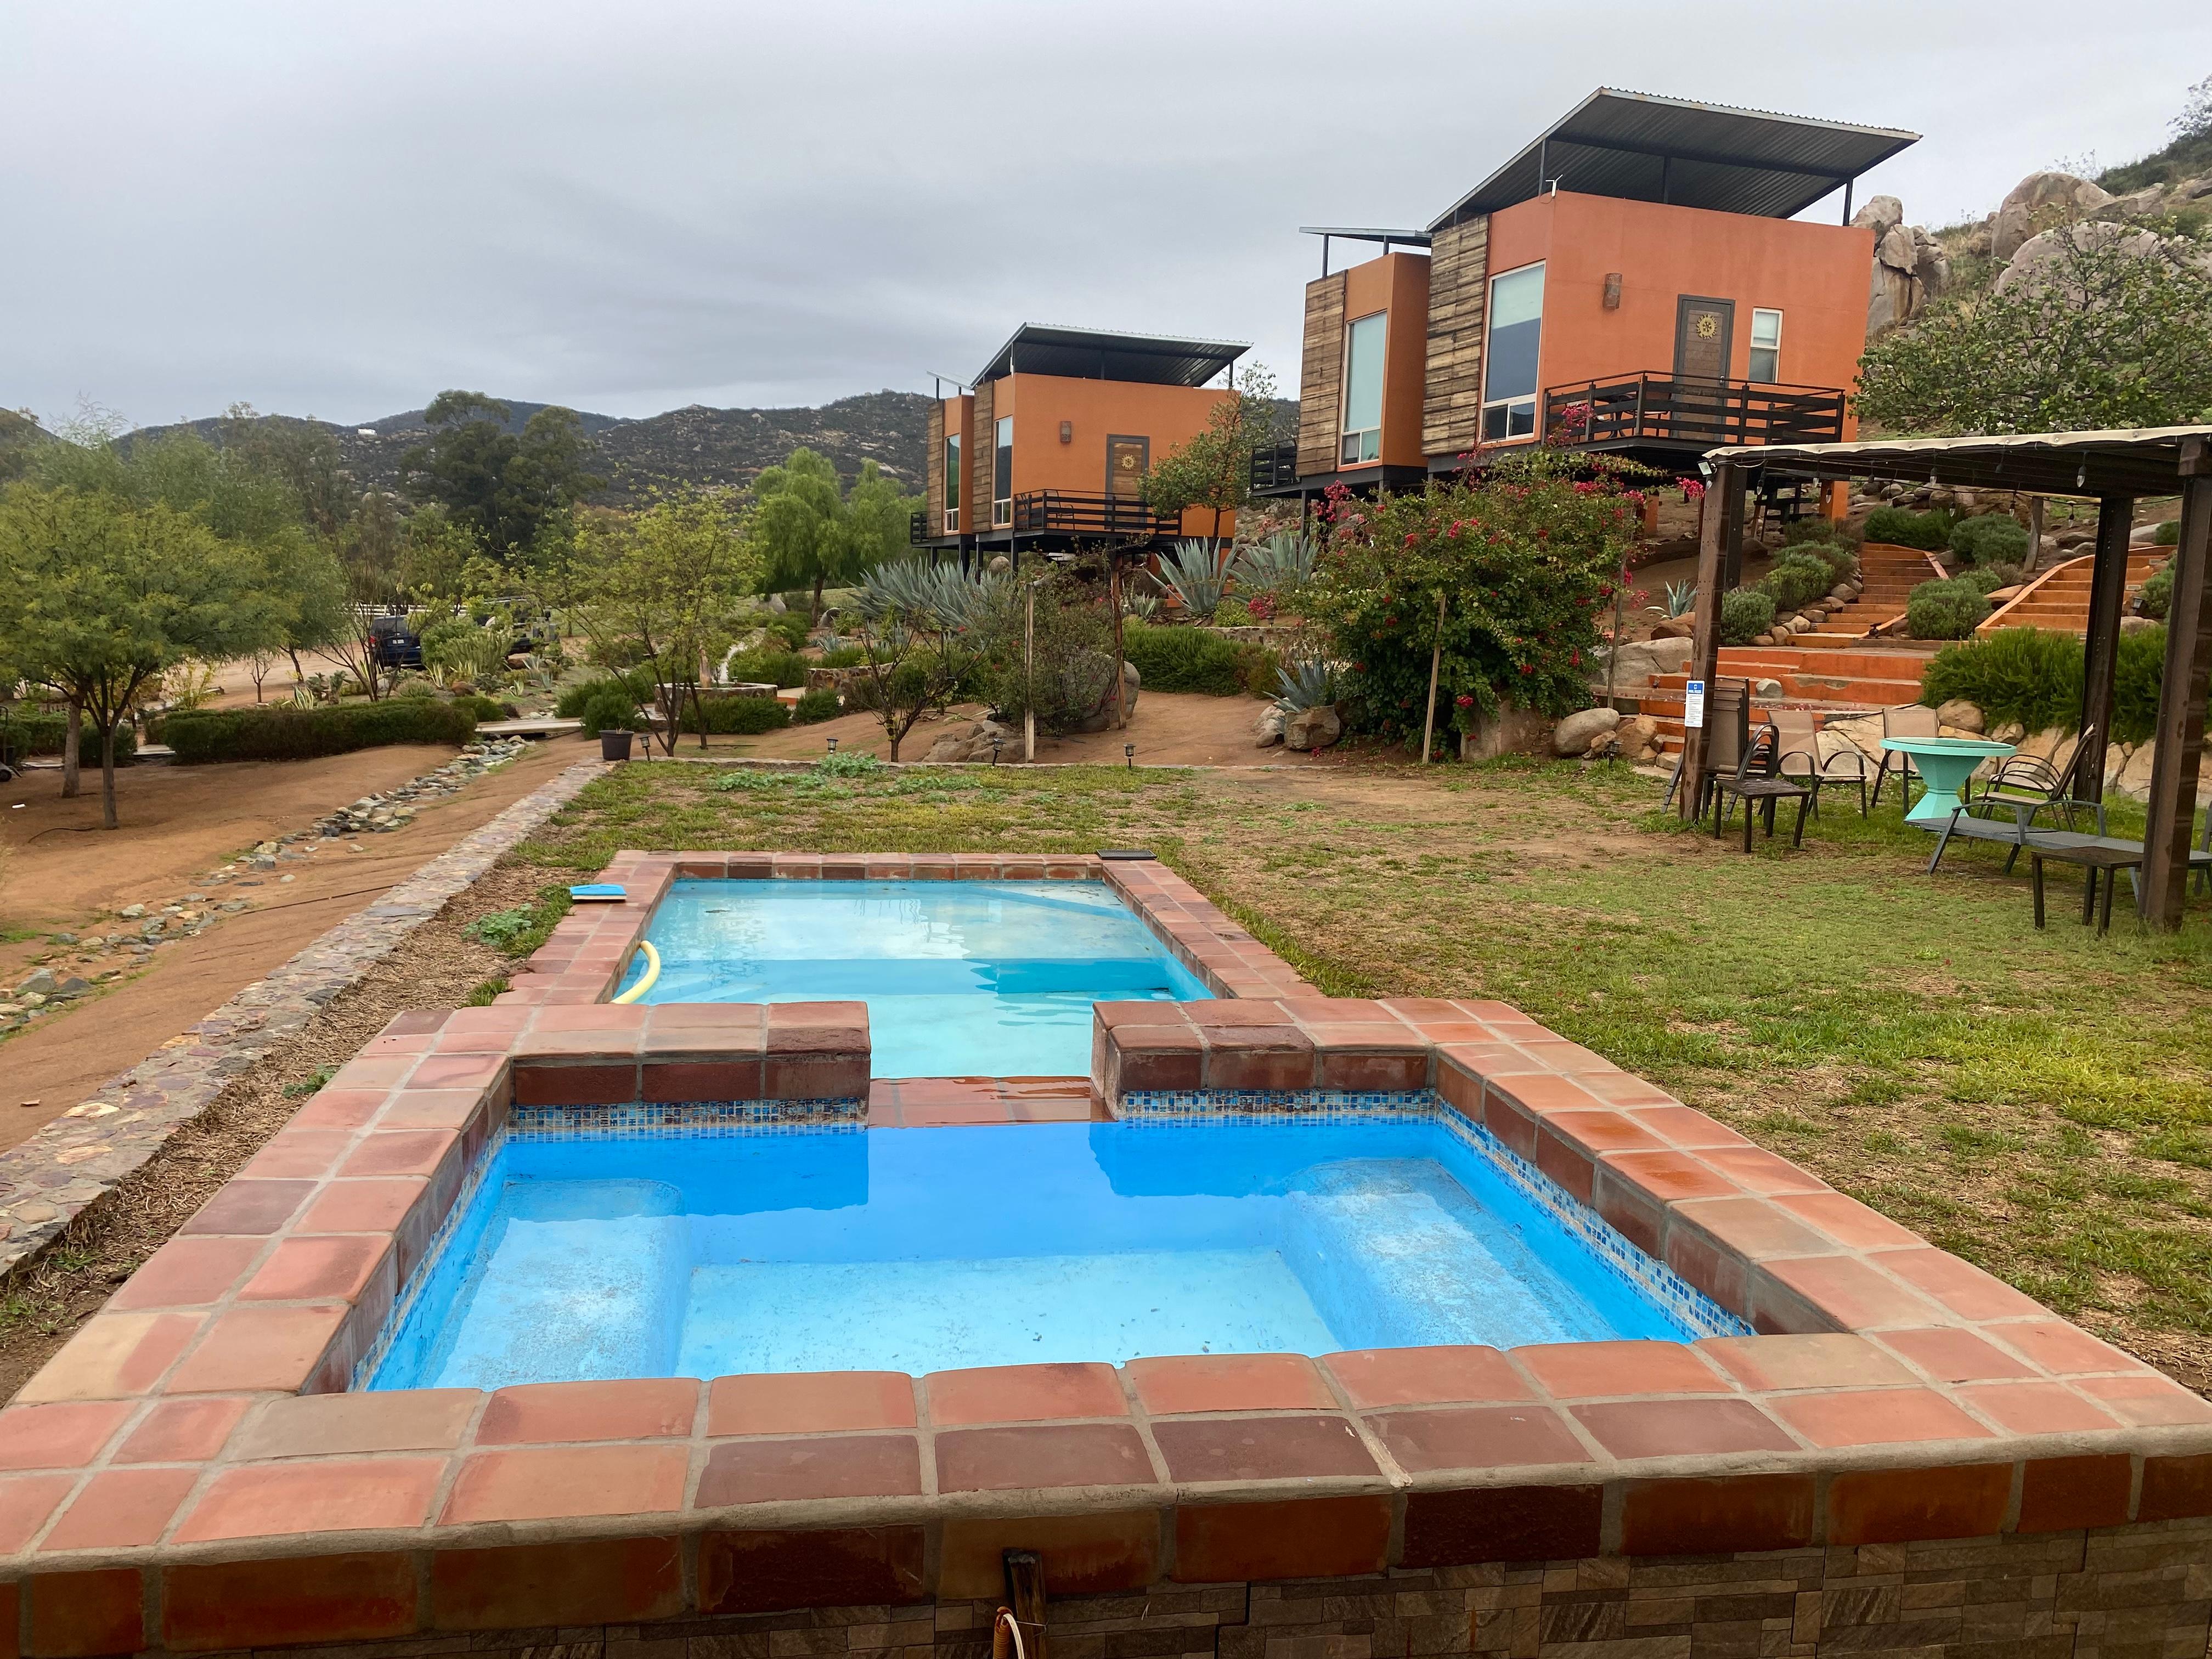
<point x="1635" y="279"/>
<point x="1051" y="447"/>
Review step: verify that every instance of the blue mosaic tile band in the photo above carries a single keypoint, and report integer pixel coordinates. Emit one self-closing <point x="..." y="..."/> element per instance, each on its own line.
<point x="686" y="1118"/>
<point x="1696" y="1313"/>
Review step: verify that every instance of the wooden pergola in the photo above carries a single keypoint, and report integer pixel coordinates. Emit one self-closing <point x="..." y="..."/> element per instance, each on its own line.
<point x="2113" y="468"/>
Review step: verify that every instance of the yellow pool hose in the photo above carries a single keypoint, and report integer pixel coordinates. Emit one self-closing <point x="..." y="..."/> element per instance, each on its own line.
<point x="652" y="973"/>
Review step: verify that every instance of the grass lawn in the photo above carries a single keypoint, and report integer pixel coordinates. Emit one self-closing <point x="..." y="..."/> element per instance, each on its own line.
<point x="2039" y="1102"/>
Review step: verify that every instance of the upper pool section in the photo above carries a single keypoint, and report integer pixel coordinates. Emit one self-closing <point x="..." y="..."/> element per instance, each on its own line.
<point x="962" y="978"/>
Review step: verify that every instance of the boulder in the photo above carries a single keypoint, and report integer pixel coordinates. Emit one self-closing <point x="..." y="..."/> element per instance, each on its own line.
<point x="2007" y="732"/>
<point x="2042" y="261"/>
<point x="2005" y="595"/>
<point x="1881" y="215"/>
<point x="41" y="983"/>
<point x="1635" y="662"/>
<point x="1103" y="716"/>
<point x="2039" y="201"/>
<point x="2139" y="625"/>
<point x="1675" y="627"/>
<point x="1511" y="731"/>
<point x="2135" y="777"/>
<point x="1572" y="735"/>
<point x="1312" y="728"/>
<point x="1267" y="730"/>
<point x="1638" y="738"/>
<point x="1960" y="713"/>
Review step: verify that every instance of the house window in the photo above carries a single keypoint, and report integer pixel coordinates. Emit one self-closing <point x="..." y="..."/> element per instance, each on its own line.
<point x="1002" y="474"/>
<point x="1767" y="346"/>
<point x="1509" y="363"/>
<point x="1362" y="390"/>
<point x="952" y="484"/>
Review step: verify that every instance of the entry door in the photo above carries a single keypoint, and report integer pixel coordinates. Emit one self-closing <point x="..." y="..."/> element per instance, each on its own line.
<point x="1705" y="332"/>
<point x="1127" y="461"/>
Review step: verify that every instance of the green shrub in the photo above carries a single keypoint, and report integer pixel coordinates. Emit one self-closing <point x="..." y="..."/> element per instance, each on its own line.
<point x="637" y="684"/>
<point x="769" y="666"/>
<point x="486" y="709"/>
<point x="2032" y="675"/>
<point x="2169" y="533"/>
<point x="1745" y="615"/>
<point x="819" y="704"/>
<point x="1984" y="579"/>
<point x="610" y="711"/>
<point x="1946" y="609"/>
<point x="27" y="732"/>
<point x="1185" y="658"/>
<point x="1798" y="579"/>
<point x="845" y="656"/>
<point x="743" y="716"/>
<point x="1990" y="538"/>
<point x="2135" y="679"/>
<point x="269" y="733"/>
<point x="2155" y="596"/>
<point x="1815" y="531"/>
<point x="1898" y="527"/>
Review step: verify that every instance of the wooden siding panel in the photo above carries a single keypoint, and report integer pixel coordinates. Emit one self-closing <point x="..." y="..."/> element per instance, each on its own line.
<point x="1321" y="375"/>
<point x="1451" y="401"/>
<point x="932" y="494"/>
<point x="982" y="446"/>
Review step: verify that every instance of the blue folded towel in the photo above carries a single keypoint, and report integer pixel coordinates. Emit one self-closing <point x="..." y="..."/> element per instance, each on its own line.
<point x="599" y="892"/>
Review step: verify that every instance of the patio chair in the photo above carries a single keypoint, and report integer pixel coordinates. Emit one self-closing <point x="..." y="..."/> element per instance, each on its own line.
<point x="1728" y="736"/>
<point x="1847" y="765"/>
<point x="2028" y="786"/>
<point x="1757" y="781"/>
<point x="1910" y="720"/>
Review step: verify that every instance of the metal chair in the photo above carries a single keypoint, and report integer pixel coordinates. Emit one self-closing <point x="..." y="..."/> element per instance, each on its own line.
<point x="1846" y="765"/>
<point x="1757" y="781"/>
<point x="1910" y="720"/>
<point x="2027" y="784"/>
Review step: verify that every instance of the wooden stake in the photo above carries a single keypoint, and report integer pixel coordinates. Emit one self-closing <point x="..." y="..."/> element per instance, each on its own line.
<point x="1436" y="661"/>
<point x="1025" y="1590"/>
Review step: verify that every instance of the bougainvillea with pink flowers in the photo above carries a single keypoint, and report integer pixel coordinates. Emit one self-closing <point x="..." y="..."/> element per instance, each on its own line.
<point x="1527" y="557"/>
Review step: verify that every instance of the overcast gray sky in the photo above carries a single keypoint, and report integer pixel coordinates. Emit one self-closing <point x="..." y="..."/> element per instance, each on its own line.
<point x="629" y="205"/>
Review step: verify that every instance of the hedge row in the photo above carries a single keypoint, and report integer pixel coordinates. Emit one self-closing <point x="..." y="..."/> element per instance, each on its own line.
<point x="1185" y="658"/>
<point x="745" y="716"/>
<point x="26" y="731"/>
<point x="267" y="734"/>
<point x="2034" y="675"/>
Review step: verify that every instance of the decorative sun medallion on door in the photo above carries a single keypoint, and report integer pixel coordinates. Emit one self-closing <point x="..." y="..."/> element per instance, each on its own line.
<point x="1128" y="461"/>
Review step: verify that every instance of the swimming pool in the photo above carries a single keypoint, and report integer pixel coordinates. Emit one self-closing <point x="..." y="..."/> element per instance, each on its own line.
<point x="924" y="1249"/>
<point x="962" y="978"/>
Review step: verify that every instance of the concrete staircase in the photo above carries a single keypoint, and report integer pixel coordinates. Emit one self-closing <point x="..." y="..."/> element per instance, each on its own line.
<point x="1887" y="576"/>
<point x="2059" y="599"/>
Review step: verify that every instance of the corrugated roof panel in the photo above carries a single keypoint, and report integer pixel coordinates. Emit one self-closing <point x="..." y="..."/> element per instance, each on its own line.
<point x="1096" y="354"/>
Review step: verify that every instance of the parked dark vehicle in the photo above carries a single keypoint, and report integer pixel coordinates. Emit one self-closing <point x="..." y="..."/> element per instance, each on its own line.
<point x="398" y="645"/>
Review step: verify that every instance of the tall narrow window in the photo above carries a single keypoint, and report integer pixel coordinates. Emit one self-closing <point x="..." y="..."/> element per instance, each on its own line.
<point x="952" y="484"/>
<point x="1509" y="363"/>
<point x="1767" y="346"/>
<point x="1363" y="389"/>
<point x="1002" y="474"/>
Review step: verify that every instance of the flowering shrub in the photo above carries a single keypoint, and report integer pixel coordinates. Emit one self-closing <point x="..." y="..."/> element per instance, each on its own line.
<point x="1526" y="558"/>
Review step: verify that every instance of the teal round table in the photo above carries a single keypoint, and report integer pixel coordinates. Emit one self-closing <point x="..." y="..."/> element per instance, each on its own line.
<point x="1945" y="763"/>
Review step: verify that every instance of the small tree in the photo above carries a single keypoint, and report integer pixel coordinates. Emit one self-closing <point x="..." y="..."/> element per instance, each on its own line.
<point x="922" y="629"/>
<point x="809" y="534"/>
<point x="666" y="581"/>
<point x="2108" y="332"/>
<point x="509" y="489"/>
<point x="1213" y="469"/>
<point x="100" y="596"/>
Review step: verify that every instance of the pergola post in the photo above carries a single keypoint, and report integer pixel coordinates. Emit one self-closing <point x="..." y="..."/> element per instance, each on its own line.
<point x="1716" y="525"/>
<point x="2180" y="731"/>
<point x="2108" y="589"/>
<point x="1734" y="503"/>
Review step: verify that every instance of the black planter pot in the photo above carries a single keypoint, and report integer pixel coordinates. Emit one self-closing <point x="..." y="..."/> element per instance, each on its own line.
<point x="615" y="745"/>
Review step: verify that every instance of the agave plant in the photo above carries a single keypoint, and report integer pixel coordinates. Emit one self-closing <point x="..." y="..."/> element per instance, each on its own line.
<point x="1307" y="683"/>
<point x="1196" y="577"/>
<point x="1680" y="596"/>
<point x="917" y="590"/>
<point x="1284" y="559"/>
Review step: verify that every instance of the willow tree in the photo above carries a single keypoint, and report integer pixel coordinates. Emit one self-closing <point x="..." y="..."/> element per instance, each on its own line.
<point x="810" y="532"/>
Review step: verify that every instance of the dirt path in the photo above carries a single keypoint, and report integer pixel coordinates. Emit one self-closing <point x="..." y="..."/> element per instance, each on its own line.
<point x="59" y="1062"/>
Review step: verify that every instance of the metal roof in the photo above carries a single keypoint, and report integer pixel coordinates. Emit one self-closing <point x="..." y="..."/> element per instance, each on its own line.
<point x="1090" y="354"/>
<point x="2137" y="461"/>
<point x="1368" y="234"/>
<point x="1647" y="149"/>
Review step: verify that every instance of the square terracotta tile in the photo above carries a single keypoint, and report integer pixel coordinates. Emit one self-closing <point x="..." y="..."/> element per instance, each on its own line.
<point x="324" y="1425"/>
<point x="26" y="1501"/>
<point x="340" y="1108"/>
<point x="1054" y="1455"/>
<point x="113" y="1356"/>
<point x="1229" y="1383"/>
<point x="1898" y="1506"/>
<point x="1448" y="1528"/>
<point x="334" y="1495"/>
<point x="1963" y="1288"/>
<point x="1758" y="1170"/>
<point x="401" y="1152"/>
<point x="1584" y="1370"/>
<point x="754" y="1471"/>
<point x="1419" y="1376"/>
<point x="1092" y="1553"/>
<point x="1717" y="1516"/>
<point x="2058" y="1494"/>
<point x="545" y="1413"/>
<point x="1951" y="1355"/>
<point x="119" y="1509"/>
<point x="252" y="1347"/>
<point x="100" y="1611"/>
<point x="61" y="1437"/>
<point x="193" y="1430"/>
<point x="1601" y="1132"/>
<point x="188" y="1272"/>
<point x="1022" y="1393"/>
<point x="364" y="1207"/>
<point x="809" y="1402"/>
<point x="336" y="1264"/>
<point x="1669" y="1428"/>
<point x="1876" y="1417"/>
<point x="2145" y="1399"/>
<point x="552" y="1483"/>
<point x="1752" y="1228"/>
<point x="1300" y="1538"/>
<point x="1850" y="1293"/>
<point x="756" y="1570"/>
<point x="1849" y="1222"/>
<point x="1685" y="1127"/>
<point x="2033" y="1408"/>
<point x="249" y="1206"/>
<point x="1476" y="1437"/>
<point x="432" y="1108"/>
<point x="2062" y="1349"/>
<point x="1813" y="1361"/>
<point x="1201" y="1450"/>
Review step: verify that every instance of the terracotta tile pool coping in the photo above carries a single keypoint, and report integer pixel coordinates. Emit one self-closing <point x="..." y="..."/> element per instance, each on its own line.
<point x="193" y="1441"/>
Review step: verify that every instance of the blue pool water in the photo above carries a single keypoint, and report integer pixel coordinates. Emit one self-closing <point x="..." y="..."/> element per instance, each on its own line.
<point x="919" y="1249"/>
<point x="962" y="978"/>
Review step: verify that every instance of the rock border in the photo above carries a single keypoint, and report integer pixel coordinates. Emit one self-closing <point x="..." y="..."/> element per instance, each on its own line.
<point x="72" y="1163"/>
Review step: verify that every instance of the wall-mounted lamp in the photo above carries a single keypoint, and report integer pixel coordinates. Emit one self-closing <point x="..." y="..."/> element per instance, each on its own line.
<point x="1067" y="432"/>
<point x="1612" y="290"/>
